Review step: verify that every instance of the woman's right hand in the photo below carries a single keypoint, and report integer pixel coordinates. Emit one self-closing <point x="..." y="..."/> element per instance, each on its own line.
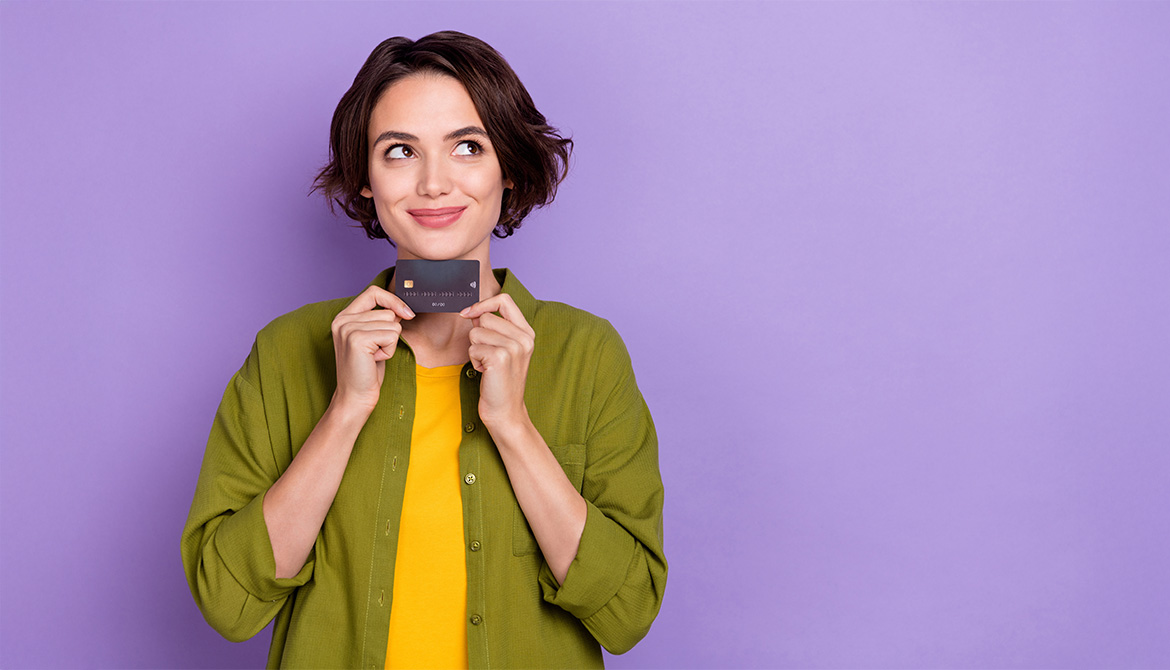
<point x="364" y="338"/>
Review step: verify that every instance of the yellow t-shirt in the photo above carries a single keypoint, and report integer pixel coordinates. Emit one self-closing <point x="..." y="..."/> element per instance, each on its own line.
<point x="428" y="614"/>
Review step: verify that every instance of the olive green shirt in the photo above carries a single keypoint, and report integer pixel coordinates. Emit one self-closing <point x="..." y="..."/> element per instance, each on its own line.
<point x="581" y="396"/>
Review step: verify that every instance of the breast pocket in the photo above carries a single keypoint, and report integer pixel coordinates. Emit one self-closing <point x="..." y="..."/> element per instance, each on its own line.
<point x="572" y="460"/>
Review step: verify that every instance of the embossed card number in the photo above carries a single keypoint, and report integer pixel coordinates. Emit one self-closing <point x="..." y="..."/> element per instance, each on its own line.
<point x="437" y="286"/>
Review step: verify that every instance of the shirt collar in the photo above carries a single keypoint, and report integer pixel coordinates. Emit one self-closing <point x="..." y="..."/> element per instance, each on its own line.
<point x="508" y="284"/>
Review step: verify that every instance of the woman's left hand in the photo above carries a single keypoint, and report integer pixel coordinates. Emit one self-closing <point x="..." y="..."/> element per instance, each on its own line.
<point x="501" y="347"/>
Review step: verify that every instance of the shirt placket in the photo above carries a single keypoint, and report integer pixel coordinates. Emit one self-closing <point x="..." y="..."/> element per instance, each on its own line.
<point x="470" y="452"/>
<point x="393" y="421"/>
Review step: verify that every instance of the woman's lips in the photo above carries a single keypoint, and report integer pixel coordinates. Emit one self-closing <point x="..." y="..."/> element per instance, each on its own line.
<point x="437" y="218"/>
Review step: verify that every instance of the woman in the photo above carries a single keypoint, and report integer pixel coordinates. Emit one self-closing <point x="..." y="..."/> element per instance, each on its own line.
<point x="433" y="490"/>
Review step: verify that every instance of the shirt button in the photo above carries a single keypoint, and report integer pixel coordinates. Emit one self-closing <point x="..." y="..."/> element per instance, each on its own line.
<point x="468" y="427"/>
<point x="471" y="372"/>
<point x="475" y="545"/>
<point x="470" y="478"/>
<point x="476" y="619"/>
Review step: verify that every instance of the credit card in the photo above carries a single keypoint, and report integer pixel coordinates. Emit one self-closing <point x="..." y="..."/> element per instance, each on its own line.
<point x="437" y="286"/>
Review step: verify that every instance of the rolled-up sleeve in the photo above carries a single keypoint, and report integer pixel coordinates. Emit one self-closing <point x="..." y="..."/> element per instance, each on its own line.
<point x="226" y="550"/>
<point x="616" y="583"/>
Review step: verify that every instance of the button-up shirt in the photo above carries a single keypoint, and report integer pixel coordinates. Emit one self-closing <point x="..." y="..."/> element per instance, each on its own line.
<point x="583" y="399"/>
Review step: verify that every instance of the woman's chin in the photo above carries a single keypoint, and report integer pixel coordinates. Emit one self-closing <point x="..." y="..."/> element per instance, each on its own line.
<point x="438" y="252"/>
<point x="432" y="256"/>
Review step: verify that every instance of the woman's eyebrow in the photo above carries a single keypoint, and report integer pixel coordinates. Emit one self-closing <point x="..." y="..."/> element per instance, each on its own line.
<point x="464" y="132"/>
<point x="454" y="134"/>
<point x="395" y="135"/>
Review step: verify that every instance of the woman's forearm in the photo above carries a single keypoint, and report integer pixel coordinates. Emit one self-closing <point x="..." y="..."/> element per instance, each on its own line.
<point x="296" y="504"/>
<point x="554" y="509"/>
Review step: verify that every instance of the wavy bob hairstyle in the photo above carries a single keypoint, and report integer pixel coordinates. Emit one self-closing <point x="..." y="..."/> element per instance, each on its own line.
<point x="532" y="153"/>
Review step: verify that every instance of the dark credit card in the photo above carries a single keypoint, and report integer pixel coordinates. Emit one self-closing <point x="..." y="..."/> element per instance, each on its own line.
<point x="437" y="286"/>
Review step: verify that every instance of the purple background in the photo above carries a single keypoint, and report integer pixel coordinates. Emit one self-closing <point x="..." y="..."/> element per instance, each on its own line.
<point x="894" y="278"/>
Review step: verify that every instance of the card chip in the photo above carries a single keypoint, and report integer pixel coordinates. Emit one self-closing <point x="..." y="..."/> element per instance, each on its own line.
<point x="408" y="283"/>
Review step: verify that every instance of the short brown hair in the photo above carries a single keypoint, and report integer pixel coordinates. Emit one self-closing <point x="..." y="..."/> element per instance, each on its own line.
<point x="532" y="153"/>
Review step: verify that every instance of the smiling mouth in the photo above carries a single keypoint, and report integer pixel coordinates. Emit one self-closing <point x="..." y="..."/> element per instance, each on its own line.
<point x="436" y="218"/>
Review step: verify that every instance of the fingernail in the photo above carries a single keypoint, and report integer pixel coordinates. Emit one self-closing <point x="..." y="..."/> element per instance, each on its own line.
<point x="410" y="312"/>
<point x="465" y="311"/>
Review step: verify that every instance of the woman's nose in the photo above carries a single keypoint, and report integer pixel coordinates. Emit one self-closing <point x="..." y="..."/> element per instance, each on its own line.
<point x="435" y="179"/>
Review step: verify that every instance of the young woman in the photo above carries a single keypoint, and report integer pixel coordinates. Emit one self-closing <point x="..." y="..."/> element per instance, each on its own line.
<point x="433" y="490"/>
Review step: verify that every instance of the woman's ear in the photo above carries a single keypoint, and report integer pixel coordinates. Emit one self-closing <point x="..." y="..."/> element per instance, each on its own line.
<point x="366" y="192"/>
<point x="507" y="184"/>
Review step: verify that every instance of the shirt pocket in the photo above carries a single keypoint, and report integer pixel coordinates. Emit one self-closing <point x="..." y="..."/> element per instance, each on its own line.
<point x="572" y="460"/>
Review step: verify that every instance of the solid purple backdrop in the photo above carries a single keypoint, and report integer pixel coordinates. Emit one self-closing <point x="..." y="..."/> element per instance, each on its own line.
<point x="894" y="279"/>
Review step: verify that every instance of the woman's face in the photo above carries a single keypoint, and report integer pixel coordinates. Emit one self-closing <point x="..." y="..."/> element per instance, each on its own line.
<point x="435" y="179"/>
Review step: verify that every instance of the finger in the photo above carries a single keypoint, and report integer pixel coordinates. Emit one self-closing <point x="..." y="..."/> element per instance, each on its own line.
<point x="476" y="358"/>
<point x="369" y="341"/>
<point x="492" y="338"/>
<point x="376" y="296"/>
<point x="498" y="324"/>
<point x="373" y="316"/>
<point x="349" y="330"/>
<point x="484" y="357"/>
<point x="502" y="303"/>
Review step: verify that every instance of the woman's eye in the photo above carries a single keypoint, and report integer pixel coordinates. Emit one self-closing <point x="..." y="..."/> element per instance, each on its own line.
<point x="400" y="151"/>
<point x="468" y="148"/>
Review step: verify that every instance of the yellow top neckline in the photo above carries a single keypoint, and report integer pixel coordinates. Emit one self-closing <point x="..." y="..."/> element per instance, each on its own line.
<point x="441" y="371"/>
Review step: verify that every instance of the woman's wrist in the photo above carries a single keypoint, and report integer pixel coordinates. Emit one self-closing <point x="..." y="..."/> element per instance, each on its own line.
<point x="510" y="429"/>
<point x="348" y="412"/>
